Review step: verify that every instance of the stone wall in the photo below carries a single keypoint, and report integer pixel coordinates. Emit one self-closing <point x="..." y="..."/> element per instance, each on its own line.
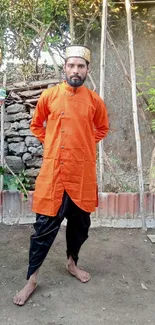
<point x="22" y="149"/>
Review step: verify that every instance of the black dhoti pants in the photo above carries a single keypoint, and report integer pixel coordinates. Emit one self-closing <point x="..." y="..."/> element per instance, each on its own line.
<point x="46" y="229"/>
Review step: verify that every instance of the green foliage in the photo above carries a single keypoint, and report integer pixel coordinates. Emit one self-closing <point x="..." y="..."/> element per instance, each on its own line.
<point x="151" y="100"/>
<point x="25" y="181"/>
<point x="128" y="188"/>
<point x="24" y="24"/>
<point x="153" y="124"/>
<point x="12" y="183"/>
<point x="2" y="170"/>
<point x="148" y="87"/>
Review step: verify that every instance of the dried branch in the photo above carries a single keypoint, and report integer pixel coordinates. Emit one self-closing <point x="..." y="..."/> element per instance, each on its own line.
<point x="44" y="41"/>
<point x="58" y="27"/>
<point x="57" y="72"/>
<point x="32" y="27"/>
<point x="129" y="80"/>
<point x="42" y="44"/>
<point x="108" y="163"/>
<point x="79" y="38"/>
<point x="89" y="27"/>
<point x="38" y="21"/>
<point x="123" y="66"/>
<point x="63" y="57"/>
<point x="92" y="81"/>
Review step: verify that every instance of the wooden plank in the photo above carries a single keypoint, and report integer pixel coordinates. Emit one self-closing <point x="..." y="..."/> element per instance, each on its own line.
<point x="152" y="238"/>
<point x="32" y="100"/>
<point x="45" y="82"/>
<point x="17" y="87"/>
<point x="30" y="93"/>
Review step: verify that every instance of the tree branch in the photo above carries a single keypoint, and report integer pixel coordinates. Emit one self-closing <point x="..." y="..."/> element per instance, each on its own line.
<point x="63" y="57"/>
<point x="42" y="44"/>
<point x="129" y="80"/>
<point x="54" y="61"/>
<point x="123" y="66"/>
<point x="32" y="27"/>
<point x="92" y="81"/>
<point x="89" y="27"/>
<point x="108" y="163"/>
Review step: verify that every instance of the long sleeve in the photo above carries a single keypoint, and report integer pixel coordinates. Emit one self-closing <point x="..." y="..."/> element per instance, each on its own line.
<point x="101" y="120"/>
<point x="40" y="116"/>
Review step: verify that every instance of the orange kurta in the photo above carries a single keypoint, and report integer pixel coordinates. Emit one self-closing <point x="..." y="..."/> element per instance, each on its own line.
<point x="76" y="118"/>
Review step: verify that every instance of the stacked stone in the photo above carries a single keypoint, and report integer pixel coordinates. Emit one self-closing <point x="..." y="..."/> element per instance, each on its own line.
<point x="22" y="149"/>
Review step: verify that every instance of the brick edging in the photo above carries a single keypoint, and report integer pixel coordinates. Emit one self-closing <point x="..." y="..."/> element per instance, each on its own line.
<point x="115" y="209"/>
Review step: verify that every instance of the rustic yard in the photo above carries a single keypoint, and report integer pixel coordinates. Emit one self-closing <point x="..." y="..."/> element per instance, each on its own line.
<point x="121" y="291"/>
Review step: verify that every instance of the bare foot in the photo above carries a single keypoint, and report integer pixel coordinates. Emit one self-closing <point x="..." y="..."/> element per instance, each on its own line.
<point x="78" y="273"/>
<point x="22" y="296"/>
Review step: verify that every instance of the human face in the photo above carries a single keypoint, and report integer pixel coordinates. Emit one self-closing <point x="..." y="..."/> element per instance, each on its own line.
<point x="76" y="70"/>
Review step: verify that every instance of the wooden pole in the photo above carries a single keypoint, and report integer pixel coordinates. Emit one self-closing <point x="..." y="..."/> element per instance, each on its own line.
<point x="2" y="133"/>
<point x="135" y="112"/>
<point x="71" y="19"/>
<point x="102" y="84"/>
<point x="134" y="2"/>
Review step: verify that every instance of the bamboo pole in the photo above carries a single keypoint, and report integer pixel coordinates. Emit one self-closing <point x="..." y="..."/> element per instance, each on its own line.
<point x="135" y="112"/>
<point x="102" y="84"/>
<point x="134" y="2"/>
<point x="2" y="133"/>
<point x="71" y="18"/>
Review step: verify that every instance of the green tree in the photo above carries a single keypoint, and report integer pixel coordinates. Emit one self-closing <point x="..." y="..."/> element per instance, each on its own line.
<point x="33" y="26"/>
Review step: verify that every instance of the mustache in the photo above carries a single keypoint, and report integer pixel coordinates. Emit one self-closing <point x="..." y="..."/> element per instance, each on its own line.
<point x="75" y="75"/>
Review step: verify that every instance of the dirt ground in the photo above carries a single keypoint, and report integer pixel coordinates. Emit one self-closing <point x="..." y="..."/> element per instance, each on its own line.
<point x="121" y="291"/>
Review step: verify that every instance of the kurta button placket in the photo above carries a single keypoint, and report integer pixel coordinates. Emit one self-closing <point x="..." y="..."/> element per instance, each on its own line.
<point x="62" y="147"/>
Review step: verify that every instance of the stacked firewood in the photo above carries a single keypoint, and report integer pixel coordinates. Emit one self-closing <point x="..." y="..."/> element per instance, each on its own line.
<point x="28" y="93"/>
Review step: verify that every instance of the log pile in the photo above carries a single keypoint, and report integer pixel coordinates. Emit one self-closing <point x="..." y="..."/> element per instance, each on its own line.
<point x="22" y="149"/>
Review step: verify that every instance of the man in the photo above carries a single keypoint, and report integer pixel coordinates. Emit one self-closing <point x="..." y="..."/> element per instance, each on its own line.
<point x="76" y="119"/>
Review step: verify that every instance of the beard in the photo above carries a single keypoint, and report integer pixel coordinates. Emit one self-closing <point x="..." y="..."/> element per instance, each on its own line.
<point x="75" y="82"/>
